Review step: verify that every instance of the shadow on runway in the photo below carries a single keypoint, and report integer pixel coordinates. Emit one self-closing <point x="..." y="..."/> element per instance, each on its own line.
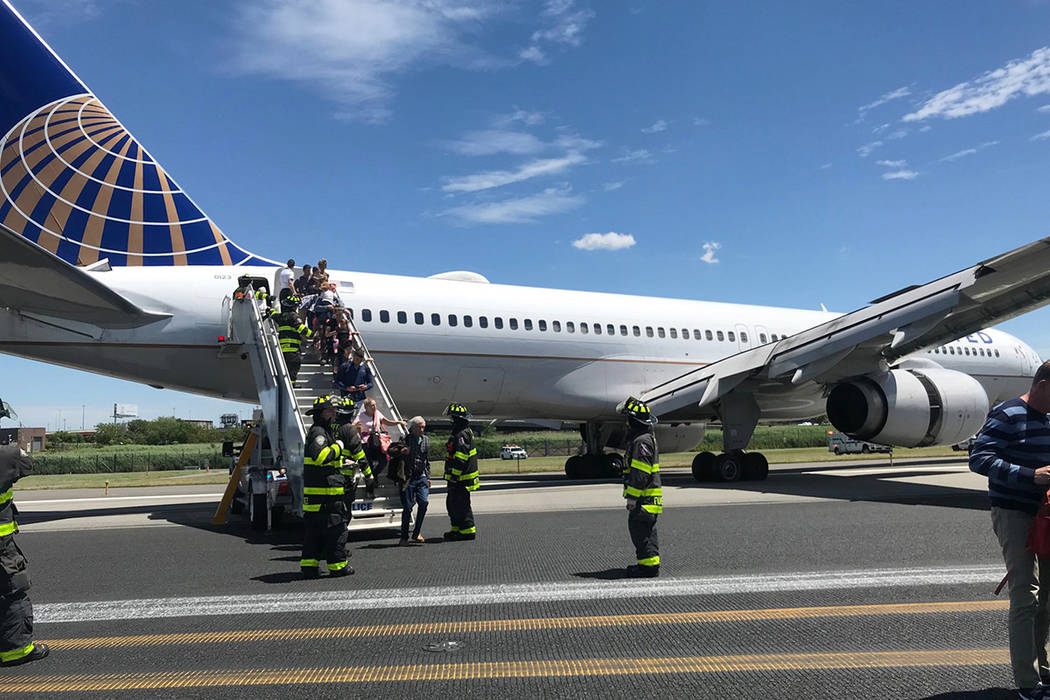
<point x="987" y="694"/>
<point x="877" y="488"/>
<point x="280" y="576"/>
<point x="605" y="575"/>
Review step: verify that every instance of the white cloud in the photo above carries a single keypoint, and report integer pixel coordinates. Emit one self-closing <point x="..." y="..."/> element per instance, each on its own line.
<point x="524" y="116"/>
<point x="1041" y="136"/>
<point x="709" y="252"/>
<point x="499" y="178"/>
<point x="968" y="151"/>
<point x="350" y="50"/>
<point x="520" y="210"/>
<point x="656" y="127"/>
<point x="900" y="92"/>
<point x="488" y="142"/>
<point x="613" y="186"/>
<point x="826" y="166"/>
<point x="700" y="121"/>
<point x="896" y="135"/>
<point x="564" y="27"/>
<point x="1044" y="108"/>
<point x="865" y="150"/>
<point x="925" y="127"/>
<point x="880" y="128"/>
<point x="893" y="163"/>
<point x="629" y="156"/>
<point x="574" y="142"/>
<point x="1028" y="77"/>
<point x="900" y="175"/>
<point x="56" y="13"/>
<point x="604" y="241"/>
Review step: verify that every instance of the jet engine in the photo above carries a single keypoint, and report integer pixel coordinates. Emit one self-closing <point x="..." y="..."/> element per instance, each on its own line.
<point x="909" y="407"/>
<point x="681" y="437"/>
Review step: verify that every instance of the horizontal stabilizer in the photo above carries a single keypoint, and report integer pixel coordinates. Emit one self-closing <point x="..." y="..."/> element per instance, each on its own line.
<point x="36" y="281"/>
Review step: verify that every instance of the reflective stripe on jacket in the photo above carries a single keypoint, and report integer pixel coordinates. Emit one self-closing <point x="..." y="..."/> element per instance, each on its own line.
<point x="642" y="473"/>
<point x="323" y="483"/>
<point x="461" y="460"/>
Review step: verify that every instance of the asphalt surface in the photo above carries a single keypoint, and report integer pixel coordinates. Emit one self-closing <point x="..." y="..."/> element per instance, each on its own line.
<point x="814" y="584"/>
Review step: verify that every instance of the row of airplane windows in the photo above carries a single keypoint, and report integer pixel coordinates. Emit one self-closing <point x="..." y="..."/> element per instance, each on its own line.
<point x="569" y="326"/>
<point x="964" y="350"/>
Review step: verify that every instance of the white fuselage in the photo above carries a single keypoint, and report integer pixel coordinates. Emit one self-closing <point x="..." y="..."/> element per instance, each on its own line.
<point x="539" y="364"/>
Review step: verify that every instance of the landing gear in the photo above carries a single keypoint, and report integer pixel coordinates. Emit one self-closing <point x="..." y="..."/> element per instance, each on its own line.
<point x="730" y="466"/>
<point x="596" y="463"/>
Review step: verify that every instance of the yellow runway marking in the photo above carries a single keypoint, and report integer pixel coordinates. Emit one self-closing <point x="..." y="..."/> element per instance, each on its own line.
<point x="526" y="624"/>
<point x="507" y="669"/>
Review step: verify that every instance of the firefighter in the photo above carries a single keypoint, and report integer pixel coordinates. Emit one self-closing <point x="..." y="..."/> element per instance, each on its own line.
<point x="353" y="451"/>
<point x="461" y="473"/>
<point x="641" y="487"/>
<point x="16" y="611"/>
<point x="290" y="332"/>
<point x="324" y="487"/>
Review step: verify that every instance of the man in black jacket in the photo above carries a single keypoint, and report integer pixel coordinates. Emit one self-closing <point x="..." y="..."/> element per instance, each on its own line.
<point x="461" y="473"/>
<point x="324" y="486"/>
<point x="16" y="610"/>
<point x="641" y="487"/>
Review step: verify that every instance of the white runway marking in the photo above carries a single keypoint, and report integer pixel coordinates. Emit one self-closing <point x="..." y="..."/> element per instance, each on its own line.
<point x="248" y="603"/>
<point x="27" y="504"/>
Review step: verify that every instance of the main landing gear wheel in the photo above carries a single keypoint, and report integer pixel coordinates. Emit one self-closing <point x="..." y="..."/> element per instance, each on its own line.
<point x="612" y="464"/>
<point x="729" y="466"/>
<point x="756" y="467"/>
<point x="704" y="466"/>
<point x="575" y="467"/>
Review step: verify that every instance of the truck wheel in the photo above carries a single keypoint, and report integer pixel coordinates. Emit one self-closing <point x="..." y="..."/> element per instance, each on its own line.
<point x="237" y="505"/>
<point x="864" y="449"/>
<point x="276" y="516"/>
<point x="837" y="450"/>
<point x="258" y="514"/>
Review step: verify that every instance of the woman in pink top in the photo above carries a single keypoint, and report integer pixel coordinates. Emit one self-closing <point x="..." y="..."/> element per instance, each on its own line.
<point x="370" y="421"/>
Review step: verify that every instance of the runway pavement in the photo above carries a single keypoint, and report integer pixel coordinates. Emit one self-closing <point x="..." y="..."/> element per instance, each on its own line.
<point x="818" y="582"/>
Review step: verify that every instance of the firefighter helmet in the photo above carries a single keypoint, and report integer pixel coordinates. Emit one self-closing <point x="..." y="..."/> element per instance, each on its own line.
<point x="290" y="302"/>
<point x="457" y="410"/>
<point x="344" y="409"/>
<point x="321" y="403"/>
<point x="636" y="410"/>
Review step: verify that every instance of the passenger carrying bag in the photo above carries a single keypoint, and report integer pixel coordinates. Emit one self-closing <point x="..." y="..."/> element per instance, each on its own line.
<point x="1039" y="535"/>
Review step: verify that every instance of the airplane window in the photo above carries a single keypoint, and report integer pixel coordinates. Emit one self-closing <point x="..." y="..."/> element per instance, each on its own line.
<point x="483" y="321"/>
<point x="721" y="336"/>
<point x="528" y="324"/>
<point x="674" y="333"/>
<point x="384" y="316"/>
<point x="583" y="328"/>
<point x="556" y="326"/>
<point x="997" y="352"/>
<point x="697" y="335"/>
<point x="732" y="337"/>
<point x="366" y="314"/>
<point x="419" y="318"/>
<point x="648" y="331"/>
<point x="402" y="317"/>
<point x="743" y="337"/>
<point x="597" y="329"/>
<point x="542" y="324"/>
<point x="498" y="322"/>
<point x="951" y="349"/>
<point x="708" y="335"/>
<point x="452" y="319"/>
<point x="610" y="329"/>
<point x="637" y="331"/>
<point x="660" y="332"/>
<point x="966" y="350"/>
<point x="514" y="324"/>
<point x="623" y="330"/>
<point x="468" y="321"/>
<point x="761" y="337"/>
<point x="685" y="334"/>
<point x="570" y="327"/>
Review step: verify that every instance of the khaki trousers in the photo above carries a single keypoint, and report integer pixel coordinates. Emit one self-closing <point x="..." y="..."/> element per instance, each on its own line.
<point x="1029" y="591"/>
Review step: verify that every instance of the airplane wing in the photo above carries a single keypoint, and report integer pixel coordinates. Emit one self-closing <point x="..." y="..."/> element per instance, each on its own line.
<point x="871" y="338"/>
<point x="37" y="281"/>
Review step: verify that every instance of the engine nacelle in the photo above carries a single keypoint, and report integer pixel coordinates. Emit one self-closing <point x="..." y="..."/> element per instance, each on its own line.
<point x="679" y="438"/>
<point x="909" y="407"/>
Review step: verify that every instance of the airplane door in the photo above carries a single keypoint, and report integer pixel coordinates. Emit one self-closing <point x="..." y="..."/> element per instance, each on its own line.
<point x="743" y="336"/>
<point x="479" y="388"/>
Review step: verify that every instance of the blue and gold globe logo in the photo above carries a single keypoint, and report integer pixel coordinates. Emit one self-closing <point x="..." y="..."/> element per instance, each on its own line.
<point x="75" y="182"/>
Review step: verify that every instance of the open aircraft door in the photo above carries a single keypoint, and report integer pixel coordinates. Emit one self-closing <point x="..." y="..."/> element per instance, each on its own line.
<point x="479" y="388"/>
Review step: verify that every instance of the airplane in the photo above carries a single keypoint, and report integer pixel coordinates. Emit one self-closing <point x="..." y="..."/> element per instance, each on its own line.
<point x="110" y="267"/>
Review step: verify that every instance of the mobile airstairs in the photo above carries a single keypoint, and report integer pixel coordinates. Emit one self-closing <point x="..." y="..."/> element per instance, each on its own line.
<point x="267" y="479"/>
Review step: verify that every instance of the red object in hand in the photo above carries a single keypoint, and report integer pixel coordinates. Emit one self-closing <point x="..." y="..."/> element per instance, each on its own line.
<point x="1039" y="535"/>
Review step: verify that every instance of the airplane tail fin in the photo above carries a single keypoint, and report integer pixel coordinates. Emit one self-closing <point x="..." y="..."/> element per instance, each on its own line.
<point x="75" y="182"/>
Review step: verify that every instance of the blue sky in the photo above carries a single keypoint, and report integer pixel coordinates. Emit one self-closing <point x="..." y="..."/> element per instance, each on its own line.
<point x="787" y="154"/>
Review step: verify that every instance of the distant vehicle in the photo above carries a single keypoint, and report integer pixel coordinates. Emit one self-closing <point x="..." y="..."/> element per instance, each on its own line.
<point x="844" y="444"/>
<point x="513" y="452"/>
<point x="966" y="444"/>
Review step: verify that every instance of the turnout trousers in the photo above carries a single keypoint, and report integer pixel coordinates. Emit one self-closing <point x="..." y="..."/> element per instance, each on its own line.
<point x="457" y="502"/>
<point x="16" y="626"/>
<point x="325" y="537"/>
<point x="293" y="361"/>
<point x="642" y="526"/>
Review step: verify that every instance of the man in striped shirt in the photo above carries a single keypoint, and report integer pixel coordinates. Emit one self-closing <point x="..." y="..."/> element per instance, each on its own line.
<point x="1013" y="451"/>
